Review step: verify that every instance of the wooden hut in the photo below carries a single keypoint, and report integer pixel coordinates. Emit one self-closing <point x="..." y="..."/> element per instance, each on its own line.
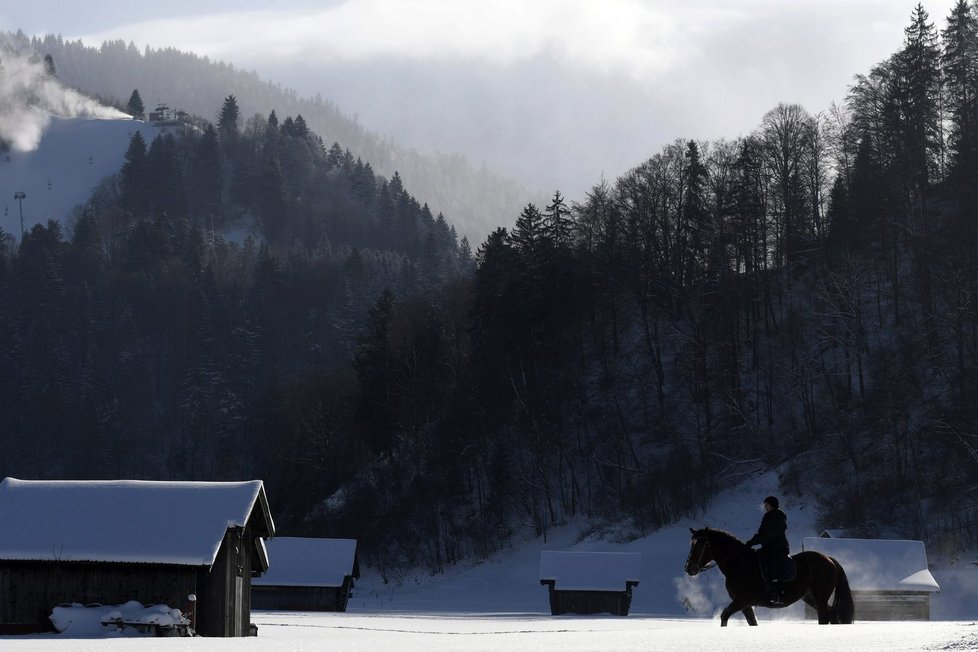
<point x="890" y="579"/>
<point x="590" y="582"/>
<point x="109" y="542"/>
<point x="307" y="574"/>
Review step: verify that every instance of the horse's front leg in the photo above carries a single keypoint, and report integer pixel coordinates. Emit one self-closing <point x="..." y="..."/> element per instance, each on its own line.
<point x="734" y="607"/>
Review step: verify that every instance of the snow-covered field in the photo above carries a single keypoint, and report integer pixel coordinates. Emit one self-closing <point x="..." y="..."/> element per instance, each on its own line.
<point x="500" y="605"/>
<point x="280" y="631"/>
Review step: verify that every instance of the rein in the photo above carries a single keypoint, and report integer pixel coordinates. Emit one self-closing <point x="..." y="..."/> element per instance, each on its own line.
<point x="705" y="567"/>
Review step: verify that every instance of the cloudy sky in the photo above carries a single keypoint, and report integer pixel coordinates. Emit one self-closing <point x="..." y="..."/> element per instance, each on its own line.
<point x="557" y="93"/>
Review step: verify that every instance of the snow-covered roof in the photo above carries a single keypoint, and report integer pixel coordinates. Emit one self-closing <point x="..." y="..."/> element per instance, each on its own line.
<point x="590" y="571"/>
<point x="125" y="520"/>
<point x="294" y="561"/>
<point x="879" y="564"/>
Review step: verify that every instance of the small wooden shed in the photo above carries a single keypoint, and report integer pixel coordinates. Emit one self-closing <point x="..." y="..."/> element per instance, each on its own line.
<point x="109" y="542"/>
<point x="307" y="574"/>
<point x="890" y="579"/>
<point x="590" y="582"/>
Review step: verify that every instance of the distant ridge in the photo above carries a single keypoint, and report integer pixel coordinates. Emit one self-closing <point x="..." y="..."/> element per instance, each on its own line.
<point x="474" y="199"/>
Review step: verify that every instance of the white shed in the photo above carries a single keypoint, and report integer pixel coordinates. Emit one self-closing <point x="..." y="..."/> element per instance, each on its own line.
<point x="890" y="578"/>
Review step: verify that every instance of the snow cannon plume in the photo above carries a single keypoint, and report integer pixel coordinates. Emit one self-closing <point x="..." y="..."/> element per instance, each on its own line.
<point x="30" y="96"/>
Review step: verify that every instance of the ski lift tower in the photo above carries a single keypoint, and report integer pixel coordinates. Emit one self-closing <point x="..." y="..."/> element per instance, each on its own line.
<point x="20" y="196"/>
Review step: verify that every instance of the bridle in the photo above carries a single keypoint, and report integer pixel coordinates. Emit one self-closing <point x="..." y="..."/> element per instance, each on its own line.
<point x="701" y="567"/>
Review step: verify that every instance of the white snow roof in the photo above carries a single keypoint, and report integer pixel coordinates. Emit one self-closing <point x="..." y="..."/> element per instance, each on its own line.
<point x="879" y="564"/>
<point x="125" y="520"/>
<point x="295" y="561"/>
<point x="590" y="571"/>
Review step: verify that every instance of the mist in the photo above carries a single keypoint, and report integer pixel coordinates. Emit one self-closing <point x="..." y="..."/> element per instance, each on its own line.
<point x="30" y="98"/>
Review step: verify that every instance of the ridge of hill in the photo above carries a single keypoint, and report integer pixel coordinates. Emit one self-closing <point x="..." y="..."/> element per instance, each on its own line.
<point x="473" y="198"/>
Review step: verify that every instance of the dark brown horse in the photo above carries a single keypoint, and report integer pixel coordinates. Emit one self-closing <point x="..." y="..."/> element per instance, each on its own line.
<point x="816" y="578"/>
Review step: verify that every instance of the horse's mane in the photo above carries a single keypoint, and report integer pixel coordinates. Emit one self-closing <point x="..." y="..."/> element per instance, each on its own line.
<point x="726" y="536"/>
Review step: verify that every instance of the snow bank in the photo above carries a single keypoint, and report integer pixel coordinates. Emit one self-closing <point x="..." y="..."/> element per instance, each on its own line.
<point x="129" y="619"/>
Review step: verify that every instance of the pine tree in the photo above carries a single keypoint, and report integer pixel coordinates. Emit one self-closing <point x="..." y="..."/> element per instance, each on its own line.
<point x="228" y="120"/>
<point x="135" y="106"/>
<point x="917" y="94"/>
<point x="557" y="223"/>
<point x="301" y="129"/>
<point x="206" y="178"/>
<point x="134" y="177"/>
<point x="375" y="368"/>
<point x="528" y="233"/>
<point x="959" y="61"/>
<point x="695" y="216"/>
<point x="166" y="187"/>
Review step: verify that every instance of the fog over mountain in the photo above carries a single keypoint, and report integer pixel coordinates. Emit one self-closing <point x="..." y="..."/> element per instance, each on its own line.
<point x="30" y="97"/>
<point x="553" y="93"/>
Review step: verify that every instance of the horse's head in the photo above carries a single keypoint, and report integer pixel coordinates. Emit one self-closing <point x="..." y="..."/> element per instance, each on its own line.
<point x="700" y="555"/>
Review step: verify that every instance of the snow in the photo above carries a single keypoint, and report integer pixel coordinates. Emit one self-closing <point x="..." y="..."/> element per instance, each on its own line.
<point x="590" y="571"/>
<point x="295" y="561"/>
<point x="500" y="605"/>
<point x="78" y="621"/>
<point x="122" y="520"/>
<point x="73" y="157"/>
<point x="879" y="564"/>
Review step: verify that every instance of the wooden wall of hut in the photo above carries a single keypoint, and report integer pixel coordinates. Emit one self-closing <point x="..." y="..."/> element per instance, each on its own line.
<point x="30" y="590"/>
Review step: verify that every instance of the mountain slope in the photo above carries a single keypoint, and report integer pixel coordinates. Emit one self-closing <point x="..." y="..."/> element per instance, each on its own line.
<point x="73" y="157"/>
<point x="474" y="199"/>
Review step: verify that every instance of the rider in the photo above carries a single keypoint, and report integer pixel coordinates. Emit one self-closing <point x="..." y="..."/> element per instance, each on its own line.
<point x="774" y="545"/>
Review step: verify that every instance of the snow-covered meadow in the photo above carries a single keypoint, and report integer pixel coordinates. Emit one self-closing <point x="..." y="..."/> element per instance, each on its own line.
<point x="500" y="605"/>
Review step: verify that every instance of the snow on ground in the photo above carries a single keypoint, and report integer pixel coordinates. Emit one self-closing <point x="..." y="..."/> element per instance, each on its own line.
<point x="500" y="605"/>
<point x="431" y="632"/>
<point x="73" y="157"/>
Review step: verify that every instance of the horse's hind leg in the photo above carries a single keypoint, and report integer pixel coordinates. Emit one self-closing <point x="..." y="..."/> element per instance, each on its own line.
<point x="822" y="607"/>
<point x="749" y="615"/>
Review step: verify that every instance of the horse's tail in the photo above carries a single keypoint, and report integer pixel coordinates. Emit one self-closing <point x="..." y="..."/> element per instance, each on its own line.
<point x="843" y="608"/>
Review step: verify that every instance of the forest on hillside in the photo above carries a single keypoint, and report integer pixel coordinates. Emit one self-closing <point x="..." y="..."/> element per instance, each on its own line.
<point x="803" y="299"/>
<point x="477" y="197"/>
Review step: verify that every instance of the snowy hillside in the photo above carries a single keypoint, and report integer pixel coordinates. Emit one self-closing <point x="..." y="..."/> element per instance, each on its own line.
<point x="510" y="583"/>
<point x="74" y="155"/>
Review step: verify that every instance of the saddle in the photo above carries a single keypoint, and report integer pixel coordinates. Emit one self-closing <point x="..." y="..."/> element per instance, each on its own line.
<point x="782" y="569"/>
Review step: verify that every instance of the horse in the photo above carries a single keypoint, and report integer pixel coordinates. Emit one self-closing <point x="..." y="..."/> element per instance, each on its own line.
<point x="816" y="578"/>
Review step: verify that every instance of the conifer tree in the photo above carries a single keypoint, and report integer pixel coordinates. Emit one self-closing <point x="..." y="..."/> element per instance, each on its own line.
<point x="917" y="95"/>
<point x="228" y="119"/>
<point x="695" y="217"/>
<point x="528" y="232"/>
<point x="135" y="106"/>
<point x="206" y="177"/>
<point x="134" y="178"/>
<point x="375" y="364"/>
<point x="959" y="61"/>
<point x="557" y="223"/>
